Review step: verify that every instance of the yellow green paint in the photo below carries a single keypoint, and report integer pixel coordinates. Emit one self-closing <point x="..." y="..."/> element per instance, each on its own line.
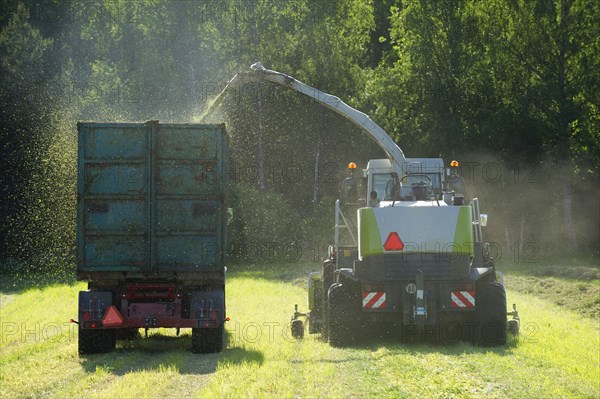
<point x="463" y="236"/>
<point x="370" y="239"/>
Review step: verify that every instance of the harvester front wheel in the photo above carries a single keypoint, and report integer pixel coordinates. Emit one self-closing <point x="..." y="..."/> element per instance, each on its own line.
<point x="297" y="329"/>
<point x="490" y="314"/>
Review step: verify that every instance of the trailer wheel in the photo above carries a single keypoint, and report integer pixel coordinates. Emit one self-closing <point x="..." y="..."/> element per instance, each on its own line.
<point x="340" y="317"/>
<point x="96" y="341"/>
<point x="297" y="329"/>
<point x="490" y="314"/>
<point x="128" y="334"/>
<point x="207" y="340"/>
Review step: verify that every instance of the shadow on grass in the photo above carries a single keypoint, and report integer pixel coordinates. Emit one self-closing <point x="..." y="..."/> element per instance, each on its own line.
<point x="385" y="347"/>
<point x="161" y="353"/>
<point x="413" y="342"/>
<point x="426" y="344"/>
<point x="236" y="356"/>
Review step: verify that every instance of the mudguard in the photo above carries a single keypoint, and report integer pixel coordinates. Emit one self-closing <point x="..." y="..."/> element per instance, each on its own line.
<point x="92" y="305"/>
<point x="208" y="307"/>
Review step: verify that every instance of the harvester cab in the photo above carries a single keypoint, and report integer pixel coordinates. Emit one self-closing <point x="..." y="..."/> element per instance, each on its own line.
<point x="422" y="180"/>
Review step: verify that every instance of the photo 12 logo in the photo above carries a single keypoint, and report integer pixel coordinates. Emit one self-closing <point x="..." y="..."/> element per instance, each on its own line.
<point x="273" y="251"/>
<point x="292" y="172"/>
<point x="37" y="332"/>
<point x="495" y="172"/>
<point x="254" y="332"/>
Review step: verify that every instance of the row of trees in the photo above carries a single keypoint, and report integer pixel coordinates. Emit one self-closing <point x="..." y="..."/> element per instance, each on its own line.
<point x="509" y="87"/>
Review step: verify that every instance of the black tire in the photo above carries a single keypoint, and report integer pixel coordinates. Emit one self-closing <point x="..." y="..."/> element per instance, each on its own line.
<point x="297" y="329"/>
<point x="315" y="314"/>
<point x="96" y="341"/>
<point x="327" y="275"/>
<point x="512" y="327"/>
<point x="128" y="334"/>
<point x="490" y="315"/>
<point x="328" y="278"/>
<point x="315" y="327"/>
<point x="342" y="323"/>
<point x="207" y="340"/>
<point x="325" y="321"/>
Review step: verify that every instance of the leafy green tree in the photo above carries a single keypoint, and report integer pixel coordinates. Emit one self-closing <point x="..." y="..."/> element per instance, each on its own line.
<point x="545" y="59"/>
<point x="23" y="121"/>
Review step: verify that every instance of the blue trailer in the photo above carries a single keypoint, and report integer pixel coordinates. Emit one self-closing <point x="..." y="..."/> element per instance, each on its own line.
<point x="151" y="230"/>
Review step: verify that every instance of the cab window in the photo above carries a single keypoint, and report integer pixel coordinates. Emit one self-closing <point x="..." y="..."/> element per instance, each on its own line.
<point x="384" y="184"/>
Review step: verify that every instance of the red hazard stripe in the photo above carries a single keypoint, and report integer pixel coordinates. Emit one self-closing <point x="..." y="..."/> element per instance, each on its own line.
<point x="374" y="300"/>
<point x="462" y="299"/>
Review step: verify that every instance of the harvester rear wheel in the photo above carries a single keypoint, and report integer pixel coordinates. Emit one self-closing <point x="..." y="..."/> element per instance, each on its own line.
<point x="340" y="317"/>
<point x="328" y="278"/>
<point x="490" y="314"/>
<point x="325" y="320"/>
<point x="327" y="275"/>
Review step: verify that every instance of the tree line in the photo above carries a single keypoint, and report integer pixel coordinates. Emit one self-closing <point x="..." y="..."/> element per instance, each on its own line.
<point x="510" y="88"/>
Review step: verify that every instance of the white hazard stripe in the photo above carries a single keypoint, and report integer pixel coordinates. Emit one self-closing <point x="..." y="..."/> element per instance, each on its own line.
<point x="462" y="299"/>
<point x="368" y="298"/>
<point x="468" y="297"/>
<point x="374" y="300"/>
<point x="457" y="301"/>
<point x="380" y="301"/>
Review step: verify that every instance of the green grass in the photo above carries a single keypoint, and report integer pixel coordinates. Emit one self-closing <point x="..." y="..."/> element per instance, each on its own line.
<point x="556" y="354"/>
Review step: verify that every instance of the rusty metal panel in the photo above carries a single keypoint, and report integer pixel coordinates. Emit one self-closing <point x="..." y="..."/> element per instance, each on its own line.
<point x="188" y="224"/>
<point x="187" y="252"/>
<point x="115" y="178"/>
<point x="123" y="216"/>
<point x="175" y="178"/>
<point x="115" y="142"/>
<point x="192" y="143"/>
<point x="151" y="197"/>
<point x="115" y="252"/>
<point x="200" y="217"/>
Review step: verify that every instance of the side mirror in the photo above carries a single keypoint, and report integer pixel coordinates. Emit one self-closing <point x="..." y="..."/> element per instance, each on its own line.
<point x="483" y="219"/>
<point x="352" y="191"/>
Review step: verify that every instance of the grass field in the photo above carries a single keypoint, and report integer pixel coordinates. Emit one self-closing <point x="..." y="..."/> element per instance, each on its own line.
<point x="556" y="355"/>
